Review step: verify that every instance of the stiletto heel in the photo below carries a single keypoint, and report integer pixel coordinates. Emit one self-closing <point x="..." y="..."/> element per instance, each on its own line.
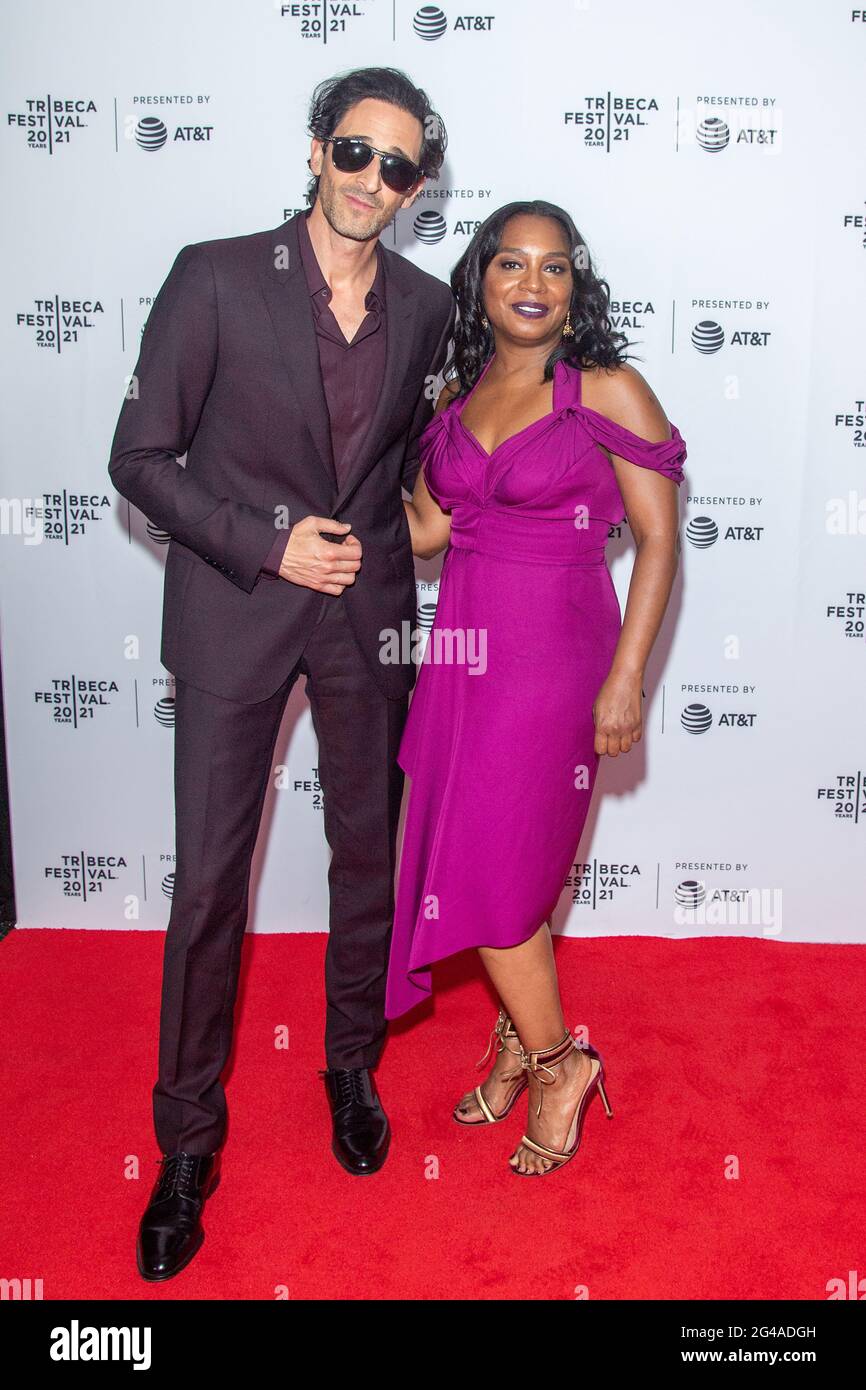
<point x="603" y="1093"/>
<point x="555" y="1056"/>
<point x="501" y="1030"/>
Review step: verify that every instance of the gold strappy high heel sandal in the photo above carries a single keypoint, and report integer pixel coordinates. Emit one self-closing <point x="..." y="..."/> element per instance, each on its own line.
<point x="502" y="1030"/>
<point x="552" y="1057"/>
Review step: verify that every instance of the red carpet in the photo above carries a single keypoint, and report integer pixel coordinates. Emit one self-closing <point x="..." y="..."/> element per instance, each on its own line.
<point x="716" y="1052"/>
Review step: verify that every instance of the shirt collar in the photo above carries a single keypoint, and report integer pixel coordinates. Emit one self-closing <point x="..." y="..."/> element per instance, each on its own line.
<point x="316" y="281"/>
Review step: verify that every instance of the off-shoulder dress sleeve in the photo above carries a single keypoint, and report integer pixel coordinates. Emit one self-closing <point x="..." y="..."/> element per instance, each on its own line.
<point x="665" y="456"/>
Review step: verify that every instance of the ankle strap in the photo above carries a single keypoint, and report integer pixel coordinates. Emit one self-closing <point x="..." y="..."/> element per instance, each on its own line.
<point x="552" y="1057"/>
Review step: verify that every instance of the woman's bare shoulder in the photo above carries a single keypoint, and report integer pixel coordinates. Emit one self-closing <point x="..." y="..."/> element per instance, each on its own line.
<point x="625" y="396"/>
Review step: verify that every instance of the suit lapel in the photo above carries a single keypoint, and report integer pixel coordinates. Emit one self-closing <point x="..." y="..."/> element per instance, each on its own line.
<point x="284" y="286"/>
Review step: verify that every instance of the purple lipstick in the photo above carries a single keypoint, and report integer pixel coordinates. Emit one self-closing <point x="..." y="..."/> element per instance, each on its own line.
<point x="530" y="309"/>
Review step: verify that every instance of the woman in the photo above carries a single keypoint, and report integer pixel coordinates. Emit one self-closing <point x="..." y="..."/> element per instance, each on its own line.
<point x="543" y="441"/>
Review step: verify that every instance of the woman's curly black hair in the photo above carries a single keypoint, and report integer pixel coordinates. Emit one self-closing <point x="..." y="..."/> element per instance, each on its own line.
<point x="594" y="342"/>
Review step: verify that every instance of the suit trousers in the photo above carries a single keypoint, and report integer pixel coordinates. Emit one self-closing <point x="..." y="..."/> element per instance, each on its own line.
<point x="223" y="762"/>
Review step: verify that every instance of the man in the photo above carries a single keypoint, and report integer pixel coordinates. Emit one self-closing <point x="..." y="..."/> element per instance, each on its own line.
<point x="295" y="369"/>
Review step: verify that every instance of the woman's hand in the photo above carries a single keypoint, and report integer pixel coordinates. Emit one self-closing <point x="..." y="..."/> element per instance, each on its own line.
<point x="617" y="714"/>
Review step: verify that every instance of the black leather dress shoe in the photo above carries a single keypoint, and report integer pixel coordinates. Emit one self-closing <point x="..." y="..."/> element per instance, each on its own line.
<point x="170" y="1232"/>
<point x="361" y="1131"/>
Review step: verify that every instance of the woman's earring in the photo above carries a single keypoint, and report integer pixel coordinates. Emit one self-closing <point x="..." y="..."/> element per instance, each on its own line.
<point x="484" y="323"/>
<point x="567" y="330"/>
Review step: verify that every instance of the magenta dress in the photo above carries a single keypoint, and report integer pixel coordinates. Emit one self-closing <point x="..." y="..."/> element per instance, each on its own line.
<point x="498" y="742"/>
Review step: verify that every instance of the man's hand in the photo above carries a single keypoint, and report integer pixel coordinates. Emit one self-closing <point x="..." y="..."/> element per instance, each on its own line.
<point x="315" y="563"/>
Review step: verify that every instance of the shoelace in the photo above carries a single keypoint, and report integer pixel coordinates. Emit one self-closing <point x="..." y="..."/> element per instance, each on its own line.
<point x="498" y="1035"/>
<point x="178" y="1173"/>
<point x="350" y="1088"/>
<point x="557" y="1054"/>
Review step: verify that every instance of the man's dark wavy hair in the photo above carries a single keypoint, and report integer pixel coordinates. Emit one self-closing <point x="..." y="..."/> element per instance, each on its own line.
<point x="336" y="95"/>
<point x="594" y="338"/>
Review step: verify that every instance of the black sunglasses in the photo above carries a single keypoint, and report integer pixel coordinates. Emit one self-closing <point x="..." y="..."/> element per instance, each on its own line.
<point x="351" y="156"/>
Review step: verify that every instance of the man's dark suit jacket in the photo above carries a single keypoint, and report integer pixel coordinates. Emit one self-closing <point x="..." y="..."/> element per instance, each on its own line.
<point x="229" y="375"/>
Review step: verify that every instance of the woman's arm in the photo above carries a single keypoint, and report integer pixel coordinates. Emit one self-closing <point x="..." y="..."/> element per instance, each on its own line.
<point x="429" y="526"/>
<point x="651" y="505"/>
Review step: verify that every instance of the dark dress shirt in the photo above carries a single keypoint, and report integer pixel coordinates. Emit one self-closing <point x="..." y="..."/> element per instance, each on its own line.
<point x="352" y="372"/>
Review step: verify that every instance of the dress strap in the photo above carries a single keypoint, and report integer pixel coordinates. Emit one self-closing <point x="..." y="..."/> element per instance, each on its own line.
<point x="665" y="455"/>
<point x="566" y="385"/>
<point x="460" y="403"/>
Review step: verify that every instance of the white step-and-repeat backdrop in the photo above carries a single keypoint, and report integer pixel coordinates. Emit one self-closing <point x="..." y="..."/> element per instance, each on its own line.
<point x="714" y="162"/>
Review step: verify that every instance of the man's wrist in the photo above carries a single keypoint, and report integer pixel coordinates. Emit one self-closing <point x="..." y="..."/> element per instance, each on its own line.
<point x="276" y="553"/>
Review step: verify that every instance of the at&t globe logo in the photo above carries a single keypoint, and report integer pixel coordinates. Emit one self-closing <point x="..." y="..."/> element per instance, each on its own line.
<point x="690" y="893"/>
<point x="429" y="23"/>
<point x="713" y="134"/>
<point x="696" y="719"/>
<point x="702" y="532"/>
<point x="150" y="133"/>
<point x="163" y="711"/>
<point x="708" y="336"/>
<point x="429" y="227"/>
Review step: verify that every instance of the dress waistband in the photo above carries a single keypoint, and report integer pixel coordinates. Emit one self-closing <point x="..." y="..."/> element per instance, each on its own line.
<point x="530" y="539"/>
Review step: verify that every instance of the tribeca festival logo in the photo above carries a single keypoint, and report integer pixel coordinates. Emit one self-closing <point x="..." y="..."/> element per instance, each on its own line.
<point x="65" y="516"/>
<point x="847" y="614"/>
<point x="694" y="904"/>
<point x="855" y="222"/>
<point x="594" y="883"/>
<point x="51" y="124"/>
<point x="632" y="315"/>
<point x="75" y="700"/>
<point x="708" y="336"/>
<point x="59" y="323"/>
<point x="613" y="119"/>
<point x="324" y="21"/>
<point x="704" y="531"/>
<point x="55" y="516"/>
<point x="698" y="718"/>
<point x="853" y="422"/>
<point x="310" y="787"/>
<point x="846" y="796"/>
<point x="150" y="133"/>
<point x="430" y="23"/>
<point x="82" y="874"/>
